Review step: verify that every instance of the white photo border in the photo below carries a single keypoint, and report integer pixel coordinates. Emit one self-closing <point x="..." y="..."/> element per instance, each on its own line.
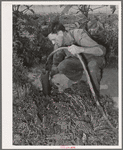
<point x="6" y="18"/>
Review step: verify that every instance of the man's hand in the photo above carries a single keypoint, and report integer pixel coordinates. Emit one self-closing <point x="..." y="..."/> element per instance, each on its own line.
<point x="73" y="49"/>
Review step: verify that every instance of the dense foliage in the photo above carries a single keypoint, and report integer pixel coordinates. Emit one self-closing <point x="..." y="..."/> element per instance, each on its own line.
<point x="28" y="40"/>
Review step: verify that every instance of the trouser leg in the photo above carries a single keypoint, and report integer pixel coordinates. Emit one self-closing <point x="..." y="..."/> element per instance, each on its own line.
<point x="71" y="68"/>
<point x="95" y="74"/>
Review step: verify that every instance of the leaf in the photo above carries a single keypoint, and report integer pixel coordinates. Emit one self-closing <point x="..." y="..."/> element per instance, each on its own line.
<point x="28" y="6"/>
<point x="66" y="9"/>
<point x="85" y="127"/>
<point x="32" y="11"/>
<point x="77" y="12"/>
<point x="84" y="138"/>
<point x="113" y="8"/>
<point x="17" y="139"/>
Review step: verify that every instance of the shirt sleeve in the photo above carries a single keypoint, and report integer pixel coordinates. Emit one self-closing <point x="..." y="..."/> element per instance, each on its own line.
<point x="83" y="39"/>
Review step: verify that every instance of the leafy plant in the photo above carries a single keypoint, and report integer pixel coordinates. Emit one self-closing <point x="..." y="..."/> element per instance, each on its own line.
<point x="84" y="9"/>
<point x="62" y="119"/>
<point x="28" y="40"/>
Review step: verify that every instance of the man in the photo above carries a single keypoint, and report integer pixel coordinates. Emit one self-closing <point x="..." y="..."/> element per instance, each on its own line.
<point x="78" y="42"/>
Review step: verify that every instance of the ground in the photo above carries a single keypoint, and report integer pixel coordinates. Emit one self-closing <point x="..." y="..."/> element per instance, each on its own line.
<point x="68" y="118"/>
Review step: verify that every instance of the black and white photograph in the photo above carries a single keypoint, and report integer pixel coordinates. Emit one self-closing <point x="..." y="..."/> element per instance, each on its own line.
<point x="64" y="88"/>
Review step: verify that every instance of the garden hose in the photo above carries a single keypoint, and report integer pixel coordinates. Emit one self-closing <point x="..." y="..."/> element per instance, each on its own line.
<point x="46" y="87"/>
<point x="89" y="82"/>
<point x="45" y="82"/>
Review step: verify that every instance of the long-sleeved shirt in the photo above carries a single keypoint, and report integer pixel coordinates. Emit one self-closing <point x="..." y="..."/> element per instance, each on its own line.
<point x="80" y="38"/>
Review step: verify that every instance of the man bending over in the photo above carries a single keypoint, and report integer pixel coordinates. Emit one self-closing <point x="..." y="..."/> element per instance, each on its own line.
<point x="78" y="41"/>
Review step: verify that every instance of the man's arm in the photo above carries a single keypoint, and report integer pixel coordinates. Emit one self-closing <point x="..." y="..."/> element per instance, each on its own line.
<point x="96" y="51"/>
<point x="87" y="45"/>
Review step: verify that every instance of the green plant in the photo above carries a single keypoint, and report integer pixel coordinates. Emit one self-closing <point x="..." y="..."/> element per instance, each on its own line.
<point x="28" y="40"/>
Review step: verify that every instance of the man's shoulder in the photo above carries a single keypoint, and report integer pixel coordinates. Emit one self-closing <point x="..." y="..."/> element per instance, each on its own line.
<point x="77" y="31"/>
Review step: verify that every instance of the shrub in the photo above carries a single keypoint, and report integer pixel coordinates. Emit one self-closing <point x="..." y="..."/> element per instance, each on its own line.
<point x="19" y="71"/>
<point x="108" y="37"/>
<point x="28" y="40"/>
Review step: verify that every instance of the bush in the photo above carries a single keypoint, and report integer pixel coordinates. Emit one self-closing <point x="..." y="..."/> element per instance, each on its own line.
<point x="28" y="41"/>
<point x="108" y="37"/>
<point x="19" y="71"/>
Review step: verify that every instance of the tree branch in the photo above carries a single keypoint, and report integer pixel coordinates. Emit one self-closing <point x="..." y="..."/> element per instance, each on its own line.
<point x="26" y="8"/>
<point x="13" y="8"/>
<point x="88" y="8"/>
<point x="18" y="7"/>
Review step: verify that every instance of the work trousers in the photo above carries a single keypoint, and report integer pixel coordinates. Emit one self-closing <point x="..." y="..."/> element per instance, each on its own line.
<point x="72" y="68"/>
